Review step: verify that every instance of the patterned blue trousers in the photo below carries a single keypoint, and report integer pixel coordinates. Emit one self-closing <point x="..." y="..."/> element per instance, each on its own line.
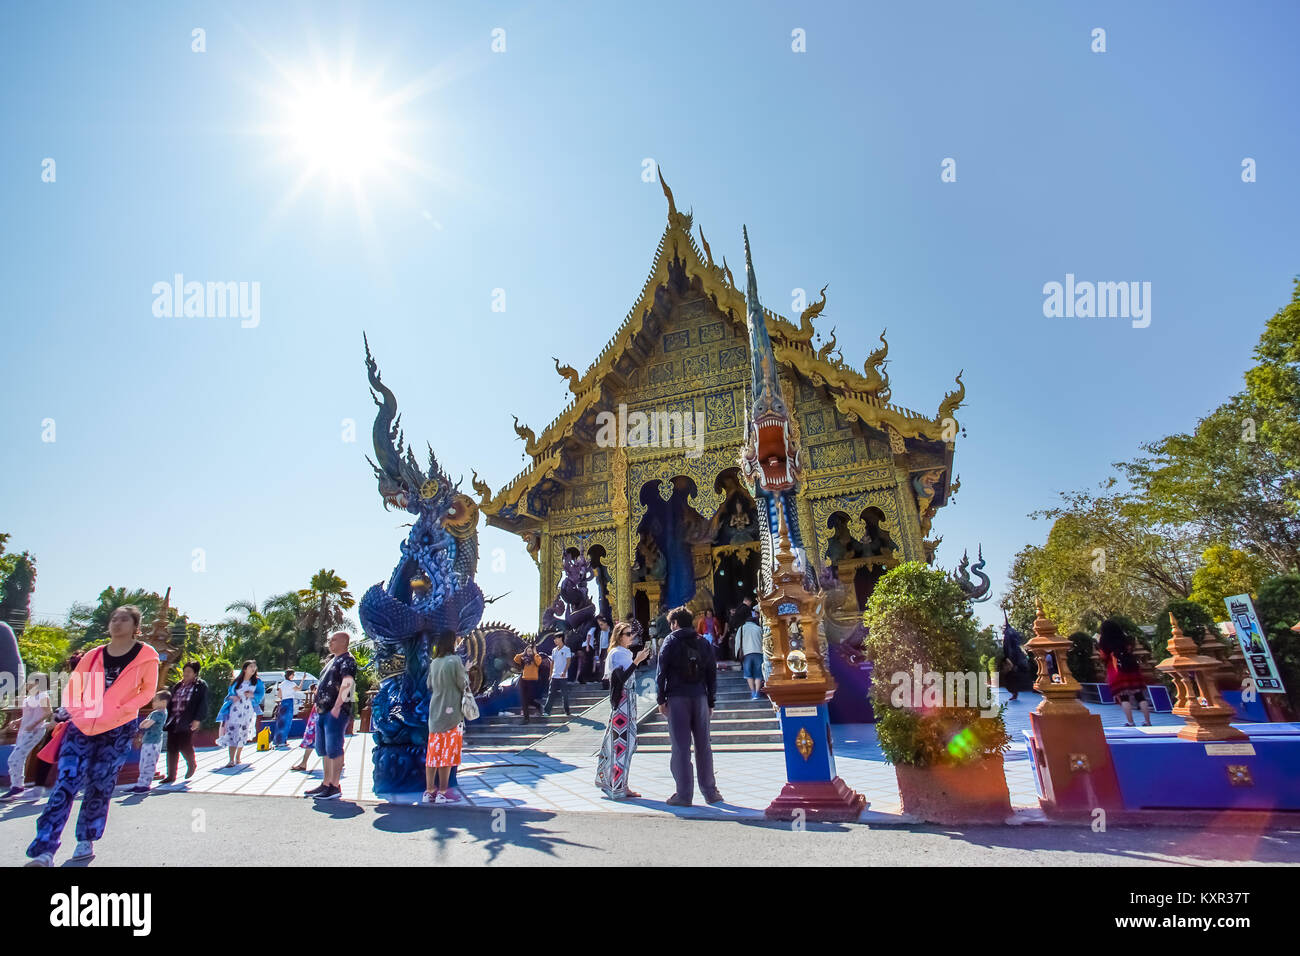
<point x="92" y="763"/>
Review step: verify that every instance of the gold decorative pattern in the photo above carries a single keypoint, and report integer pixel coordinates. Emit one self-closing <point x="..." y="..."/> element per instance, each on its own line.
<point x="804" y="742"/>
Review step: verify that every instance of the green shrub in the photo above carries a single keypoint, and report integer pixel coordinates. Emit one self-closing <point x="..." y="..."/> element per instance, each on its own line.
<point x="921" y="616"/>
<point x="1082" y="666"/>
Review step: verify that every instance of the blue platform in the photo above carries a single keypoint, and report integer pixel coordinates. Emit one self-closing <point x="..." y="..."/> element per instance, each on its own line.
<point x="1159" y="770"/>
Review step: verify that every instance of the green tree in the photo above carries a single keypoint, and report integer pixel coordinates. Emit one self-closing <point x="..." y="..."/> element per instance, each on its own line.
<point x="43" y="646"/>
<point x="88" y="624"/>
<point x="1223" y="486"/>
<point x="1278" y="607"/>
<point x="1273" y="385"/>
<point x="1225" y="571"/>
<point x="1099" y="560"/>
<point x="16" y="592"/>
<point x="269" y="635"/>
<point x="324" y="605"/>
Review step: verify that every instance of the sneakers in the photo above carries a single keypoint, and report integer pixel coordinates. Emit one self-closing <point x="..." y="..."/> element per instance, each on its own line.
<point x="676" y="801"/>
<point x="330" y="793"/>
<point x="41" y="859"/>
<point x="430" y="796"/>
<point x="315" y="791"/>
<point x="714" y="797"/>
<point x="449" y="797"/>
<point x="85" y="851"/>
<point x="754" y="696"/>
<point x="12" y="793"/>
<point x="139" y="788"/>
<point x="442" y="798"/>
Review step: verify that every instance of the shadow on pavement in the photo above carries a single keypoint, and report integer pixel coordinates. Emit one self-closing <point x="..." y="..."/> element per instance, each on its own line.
<point x="517" y="829"/>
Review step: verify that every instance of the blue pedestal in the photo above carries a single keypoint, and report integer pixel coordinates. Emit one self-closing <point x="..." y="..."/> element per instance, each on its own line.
<point x="819" y="765"/>
<point x="812" y="789"/>
<point x="1162" y="771"/>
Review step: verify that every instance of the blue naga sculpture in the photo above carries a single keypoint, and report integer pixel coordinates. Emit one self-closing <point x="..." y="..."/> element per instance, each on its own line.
<point x="431" y="589"/>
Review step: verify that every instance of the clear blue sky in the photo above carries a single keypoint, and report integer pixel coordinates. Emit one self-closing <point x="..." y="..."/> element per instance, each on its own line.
<point x="176" y="434"/>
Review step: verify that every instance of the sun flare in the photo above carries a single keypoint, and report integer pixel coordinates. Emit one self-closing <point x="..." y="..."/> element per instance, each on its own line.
<point x="341" y="130"/>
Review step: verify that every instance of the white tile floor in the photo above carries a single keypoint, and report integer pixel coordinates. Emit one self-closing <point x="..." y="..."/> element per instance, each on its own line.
<point x="566" y="780"/>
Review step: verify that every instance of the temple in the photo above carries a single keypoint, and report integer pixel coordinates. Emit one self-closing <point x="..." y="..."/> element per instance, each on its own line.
<point x="639" y="472"/>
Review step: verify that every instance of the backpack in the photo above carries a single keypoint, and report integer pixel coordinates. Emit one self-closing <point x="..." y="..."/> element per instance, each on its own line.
<point x="691" y="667"/>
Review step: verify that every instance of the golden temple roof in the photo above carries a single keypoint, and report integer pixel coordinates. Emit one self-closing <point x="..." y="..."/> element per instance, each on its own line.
<point x="858" y="394"/>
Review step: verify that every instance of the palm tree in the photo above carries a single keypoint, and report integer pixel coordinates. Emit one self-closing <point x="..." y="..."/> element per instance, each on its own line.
<point x="324" y="604"/>
<point x="269" y="634"/>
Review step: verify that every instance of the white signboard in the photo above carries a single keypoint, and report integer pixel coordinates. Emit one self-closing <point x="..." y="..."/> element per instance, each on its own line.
<point x="1254" y="645"/>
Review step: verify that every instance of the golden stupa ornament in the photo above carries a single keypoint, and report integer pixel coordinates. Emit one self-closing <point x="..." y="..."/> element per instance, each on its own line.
<point x="804" y="743"/>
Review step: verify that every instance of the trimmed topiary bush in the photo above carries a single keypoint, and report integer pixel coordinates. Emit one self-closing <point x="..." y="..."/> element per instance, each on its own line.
<point x="917" y="615"/>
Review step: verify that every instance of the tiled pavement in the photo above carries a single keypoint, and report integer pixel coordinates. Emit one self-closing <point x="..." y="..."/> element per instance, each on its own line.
<point x="560" y="775"/>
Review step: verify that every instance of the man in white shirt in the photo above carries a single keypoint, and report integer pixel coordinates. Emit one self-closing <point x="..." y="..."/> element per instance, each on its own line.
<point x="560" y="658"/>
<point x="750" y="639"/>
<point x="599" y="668"/>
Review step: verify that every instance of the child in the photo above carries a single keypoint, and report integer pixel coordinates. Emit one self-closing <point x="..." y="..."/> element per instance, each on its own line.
<point x="151" y="738"/>
<point x="31" y="723"/>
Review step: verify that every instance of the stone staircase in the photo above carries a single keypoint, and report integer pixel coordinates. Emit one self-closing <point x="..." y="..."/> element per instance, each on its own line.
<point x="738" y="723"/>
<point x="508" y="733"/>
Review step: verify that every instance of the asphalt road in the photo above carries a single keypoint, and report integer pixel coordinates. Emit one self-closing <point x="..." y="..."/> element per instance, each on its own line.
<point x="182" y="829"/>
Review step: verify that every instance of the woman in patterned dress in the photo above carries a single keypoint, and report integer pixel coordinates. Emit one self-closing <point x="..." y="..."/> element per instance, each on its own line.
<point x="616" y="749"/>
<point x="245" y="698"/>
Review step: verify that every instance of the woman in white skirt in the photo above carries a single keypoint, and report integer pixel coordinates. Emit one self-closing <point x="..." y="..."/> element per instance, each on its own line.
<point x="245" y="698"/>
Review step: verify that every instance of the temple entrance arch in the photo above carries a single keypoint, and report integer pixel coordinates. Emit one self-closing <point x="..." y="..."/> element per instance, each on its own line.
<point x="668" y="537"/>
<point x="736" y="553"/>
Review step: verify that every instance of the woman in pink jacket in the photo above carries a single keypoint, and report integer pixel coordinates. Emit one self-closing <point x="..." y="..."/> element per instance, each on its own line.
<point x="101" y="708"/>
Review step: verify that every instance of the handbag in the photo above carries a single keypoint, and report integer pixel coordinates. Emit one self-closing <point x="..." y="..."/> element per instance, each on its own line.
<point x="468" y="705"/>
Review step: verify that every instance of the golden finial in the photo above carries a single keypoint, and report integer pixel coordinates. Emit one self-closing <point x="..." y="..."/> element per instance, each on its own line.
<point x="708" y="253"/>
<point x="668" y="193"/>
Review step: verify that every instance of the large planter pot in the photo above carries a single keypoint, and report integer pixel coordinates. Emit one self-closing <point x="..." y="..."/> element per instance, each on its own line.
<point x="967" y="793"/>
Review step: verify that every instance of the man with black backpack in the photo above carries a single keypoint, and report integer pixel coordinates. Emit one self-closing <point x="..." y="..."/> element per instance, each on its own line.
<point x="688" y="682"/>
